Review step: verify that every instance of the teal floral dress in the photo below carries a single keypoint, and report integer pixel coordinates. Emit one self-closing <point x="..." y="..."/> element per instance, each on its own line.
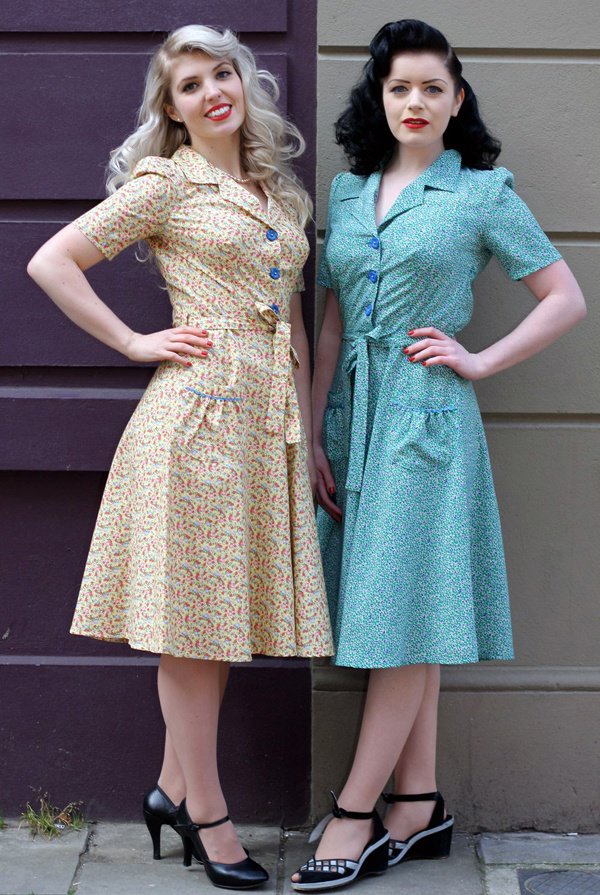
<point x="415" y="571"/>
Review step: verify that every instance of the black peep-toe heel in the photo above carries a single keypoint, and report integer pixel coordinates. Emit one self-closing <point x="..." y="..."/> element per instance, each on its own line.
<point x="433" y="841"/>
<point x="241" y="875"/>
<point x="332" y="873"/>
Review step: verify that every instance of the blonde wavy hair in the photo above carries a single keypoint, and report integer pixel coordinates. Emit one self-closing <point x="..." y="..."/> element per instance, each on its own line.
<point x="268" y="141"/>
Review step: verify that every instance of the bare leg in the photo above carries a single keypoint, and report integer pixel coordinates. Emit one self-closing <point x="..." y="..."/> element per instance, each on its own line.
<point x="394" y="698"/>
<point x="415" y="770"/>
<point x="171" y="779"/>
<point x="190" y="693"/>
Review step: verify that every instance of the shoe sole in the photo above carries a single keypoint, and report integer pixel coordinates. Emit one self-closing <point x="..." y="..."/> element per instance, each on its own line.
<point x="346" y="880"/>
<point x="424" y="834"/>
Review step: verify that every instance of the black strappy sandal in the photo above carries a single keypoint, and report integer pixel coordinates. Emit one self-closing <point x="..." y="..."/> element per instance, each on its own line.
<point x="332" y="873"/>
<point x="433" y="841"/>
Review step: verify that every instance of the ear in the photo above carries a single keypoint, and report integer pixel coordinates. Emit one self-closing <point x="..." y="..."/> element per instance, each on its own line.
<point x="460" y="97"/>
<point x="172" y="112"/>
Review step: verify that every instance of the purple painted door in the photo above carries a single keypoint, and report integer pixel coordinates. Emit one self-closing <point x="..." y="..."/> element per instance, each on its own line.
<point x="80" y="720"/>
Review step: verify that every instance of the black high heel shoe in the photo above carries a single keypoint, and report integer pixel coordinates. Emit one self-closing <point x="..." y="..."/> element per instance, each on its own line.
<point x="159" y="811"/>
<point x="433" y="841"/>
<point x="241" y="875"/>
<point x="332" y="873"/>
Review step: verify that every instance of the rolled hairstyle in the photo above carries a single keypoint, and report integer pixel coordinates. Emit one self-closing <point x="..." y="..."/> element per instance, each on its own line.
<point x="268" y="141"/>
<point x="362" y="129"/>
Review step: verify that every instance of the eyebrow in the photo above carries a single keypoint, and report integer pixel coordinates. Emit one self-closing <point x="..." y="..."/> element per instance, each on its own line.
<point x="195" y="77"/>
<point x="429" y="81"/>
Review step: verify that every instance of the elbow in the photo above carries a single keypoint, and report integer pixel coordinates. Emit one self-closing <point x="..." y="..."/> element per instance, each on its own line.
<point x="34" y="268"/>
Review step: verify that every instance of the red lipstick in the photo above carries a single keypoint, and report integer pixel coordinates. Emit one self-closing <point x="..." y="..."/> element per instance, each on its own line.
<point x="221" y="112"/>
<point x="415" y="123"/>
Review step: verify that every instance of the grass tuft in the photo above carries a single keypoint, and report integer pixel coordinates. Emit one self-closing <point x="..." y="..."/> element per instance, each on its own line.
<point x="50" y="821"/>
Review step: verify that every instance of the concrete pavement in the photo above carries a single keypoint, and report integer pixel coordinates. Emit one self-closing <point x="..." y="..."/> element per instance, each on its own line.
<point x="116" y="858"/>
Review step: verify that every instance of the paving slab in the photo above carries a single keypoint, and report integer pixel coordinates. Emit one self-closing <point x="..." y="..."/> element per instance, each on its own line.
<point x="119" y="860"/>
<point x="539" y="848"/>
<point x="38" y="865"/>
<point x="457" y="875"/>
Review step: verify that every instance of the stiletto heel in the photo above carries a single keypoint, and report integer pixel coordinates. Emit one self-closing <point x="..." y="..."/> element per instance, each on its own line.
<point x="332" y="873"/>
<point x="434" y="841"/>
<point x="159" y="811"/>
<point x="241" y="875"/>
<point x="154" y="827"/>
<point x="187" y="851"/>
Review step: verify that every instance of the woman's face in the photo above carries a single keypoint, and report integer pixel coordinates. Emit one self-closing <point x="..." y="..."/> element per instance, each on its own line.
<point x="207" y="96"/>
<point x="419" y="98"/>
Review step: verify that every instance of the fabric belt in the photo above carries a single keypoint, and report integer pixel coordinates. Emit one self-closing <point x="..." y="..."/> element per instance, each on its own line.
<point x="283" y="414"/>
<point x="358" y="361"/>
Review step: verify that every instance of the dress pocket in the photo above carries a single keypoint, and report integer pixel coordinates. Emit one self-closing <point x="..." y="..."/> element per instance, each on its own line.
<point x="208" y="428"/>
<point x="424" y="436"/>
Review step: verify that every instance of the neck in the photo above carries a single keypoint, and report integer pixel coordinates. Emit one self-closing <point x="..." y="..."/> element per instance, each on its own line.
<point x="223" y="154"/>
<point x="410" y="161"/>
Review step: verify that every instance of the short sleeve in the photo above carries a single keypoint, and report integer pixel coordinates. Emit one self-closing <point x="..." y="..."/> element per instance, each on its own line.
<point x="512" y="234"/>
<point x="324" y="277"/>
<point x="138" y="210"/>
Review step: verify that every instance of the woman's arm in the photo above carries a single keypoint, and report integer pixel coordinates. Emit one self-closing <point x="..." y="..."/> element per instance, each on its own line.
<point x="328" y="350"/>
<point x="58" y="266"/>
<point x="561" y="306"/>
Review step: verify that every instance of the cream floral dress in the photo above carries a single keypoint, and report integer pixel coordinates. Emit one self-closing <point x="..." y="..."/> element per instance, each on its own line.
<point x="205" y="544"/>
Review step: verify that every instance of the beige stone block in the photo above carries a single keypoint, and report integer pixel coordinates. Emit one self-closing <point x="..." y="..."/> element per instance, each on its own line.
<point x="540" y="25"/>
<point x="555" y="174"/>
<point x="565" y="378"/>
<point x="521" y="760"/>
<point x="336" y="720"/>
<point x="506" y="760"/>
<point x="548" y="480"/>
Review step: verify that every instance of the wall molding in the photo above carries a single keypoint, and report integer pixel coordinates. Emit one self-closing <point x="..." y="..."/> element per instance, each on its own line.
<point x="478" y="678"/>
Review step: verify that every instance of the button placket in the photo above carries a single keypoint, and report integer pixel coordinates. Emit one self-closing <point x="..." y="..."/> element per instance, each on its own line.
<point x="372" y="276"/>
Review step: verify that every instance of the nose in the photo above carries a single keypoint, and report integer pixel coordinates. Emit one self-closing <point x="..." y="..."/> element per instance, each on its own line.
<point x="213" y="90"/>
<point x="415" y="99"/>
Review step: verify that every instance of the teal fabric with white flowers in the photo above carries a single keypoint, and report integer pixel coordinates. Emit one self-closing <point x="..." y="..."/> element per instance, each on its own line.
<point x="415" y="572"/>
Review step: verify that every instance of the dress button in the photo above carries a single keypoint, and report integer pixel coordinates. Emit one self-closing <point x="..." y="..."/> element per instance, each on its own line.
<point x="368" y="310"/>
<point x="275" y="273"/>
<point x="274" y="307"/>
<point x="272" y="235"/>
<point x="372" y="275"/>
<point x="374" y="242"/>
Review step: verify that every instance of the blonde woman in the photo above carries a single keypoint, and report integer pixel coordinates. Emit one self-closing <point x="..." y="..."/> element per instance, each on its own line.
<point x="205" y="548"/>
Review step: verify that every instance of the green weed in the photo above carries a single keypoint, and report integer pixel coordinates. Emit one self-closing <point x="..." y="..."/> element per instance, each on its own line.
<point x="51" y="821"/>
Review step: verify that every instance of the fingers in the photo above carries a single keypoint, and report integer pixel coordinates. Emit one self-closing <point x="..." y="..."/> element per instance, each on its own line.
<point x="424" y="331"/>
<point x="325" y="501"/>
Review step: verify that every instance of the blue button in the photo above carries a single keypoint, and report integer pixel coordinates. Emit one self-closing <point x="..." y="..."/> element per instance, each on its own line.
<point x="272" y="235"/>
<point x="275" y="273"/>
<point x="368" y="310"/>
<point x="374" y="242"/>
<point x="274" y="307"/>
<point x="372" y="275"/>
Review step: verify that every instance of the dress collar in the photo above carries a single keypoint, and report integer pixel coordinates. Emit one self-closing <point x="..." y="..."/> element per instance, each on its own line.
<point x="199" y="170"/>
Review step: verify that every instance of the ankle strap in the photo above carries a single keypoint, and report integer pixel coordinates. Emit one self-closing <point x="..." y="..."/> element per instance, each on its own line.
<point x="215" y="823"/>
<point x="353" y="815"/>
<point x="391" y="797"/>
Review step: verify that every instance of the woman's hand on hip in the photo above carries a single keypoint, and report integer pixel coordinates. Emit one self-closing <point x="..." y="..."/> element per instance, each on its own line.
<point x="176" y="344"/>
<point x="325" y="484"/>
<point x="435" y="348"/>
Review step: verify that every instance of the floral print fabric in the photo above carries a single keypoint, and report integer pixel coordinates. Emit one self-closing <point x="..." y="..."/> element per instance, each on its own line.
<point x="415" y="572"/>
<point x="205" y="544"/>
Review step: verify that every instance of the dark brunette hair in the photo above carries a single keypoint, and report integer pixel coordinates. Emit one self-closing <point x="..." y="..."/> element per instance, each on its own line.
<point x="362" y="129"/>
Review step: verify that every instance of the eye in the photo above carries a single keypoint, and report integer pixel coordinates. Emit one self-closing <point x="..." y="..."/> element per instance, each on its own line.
<point x="191" y="85"/>
<point x="399" y="88"/>
<point x="224" y="73"/>
<point x="433" y="88"/>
